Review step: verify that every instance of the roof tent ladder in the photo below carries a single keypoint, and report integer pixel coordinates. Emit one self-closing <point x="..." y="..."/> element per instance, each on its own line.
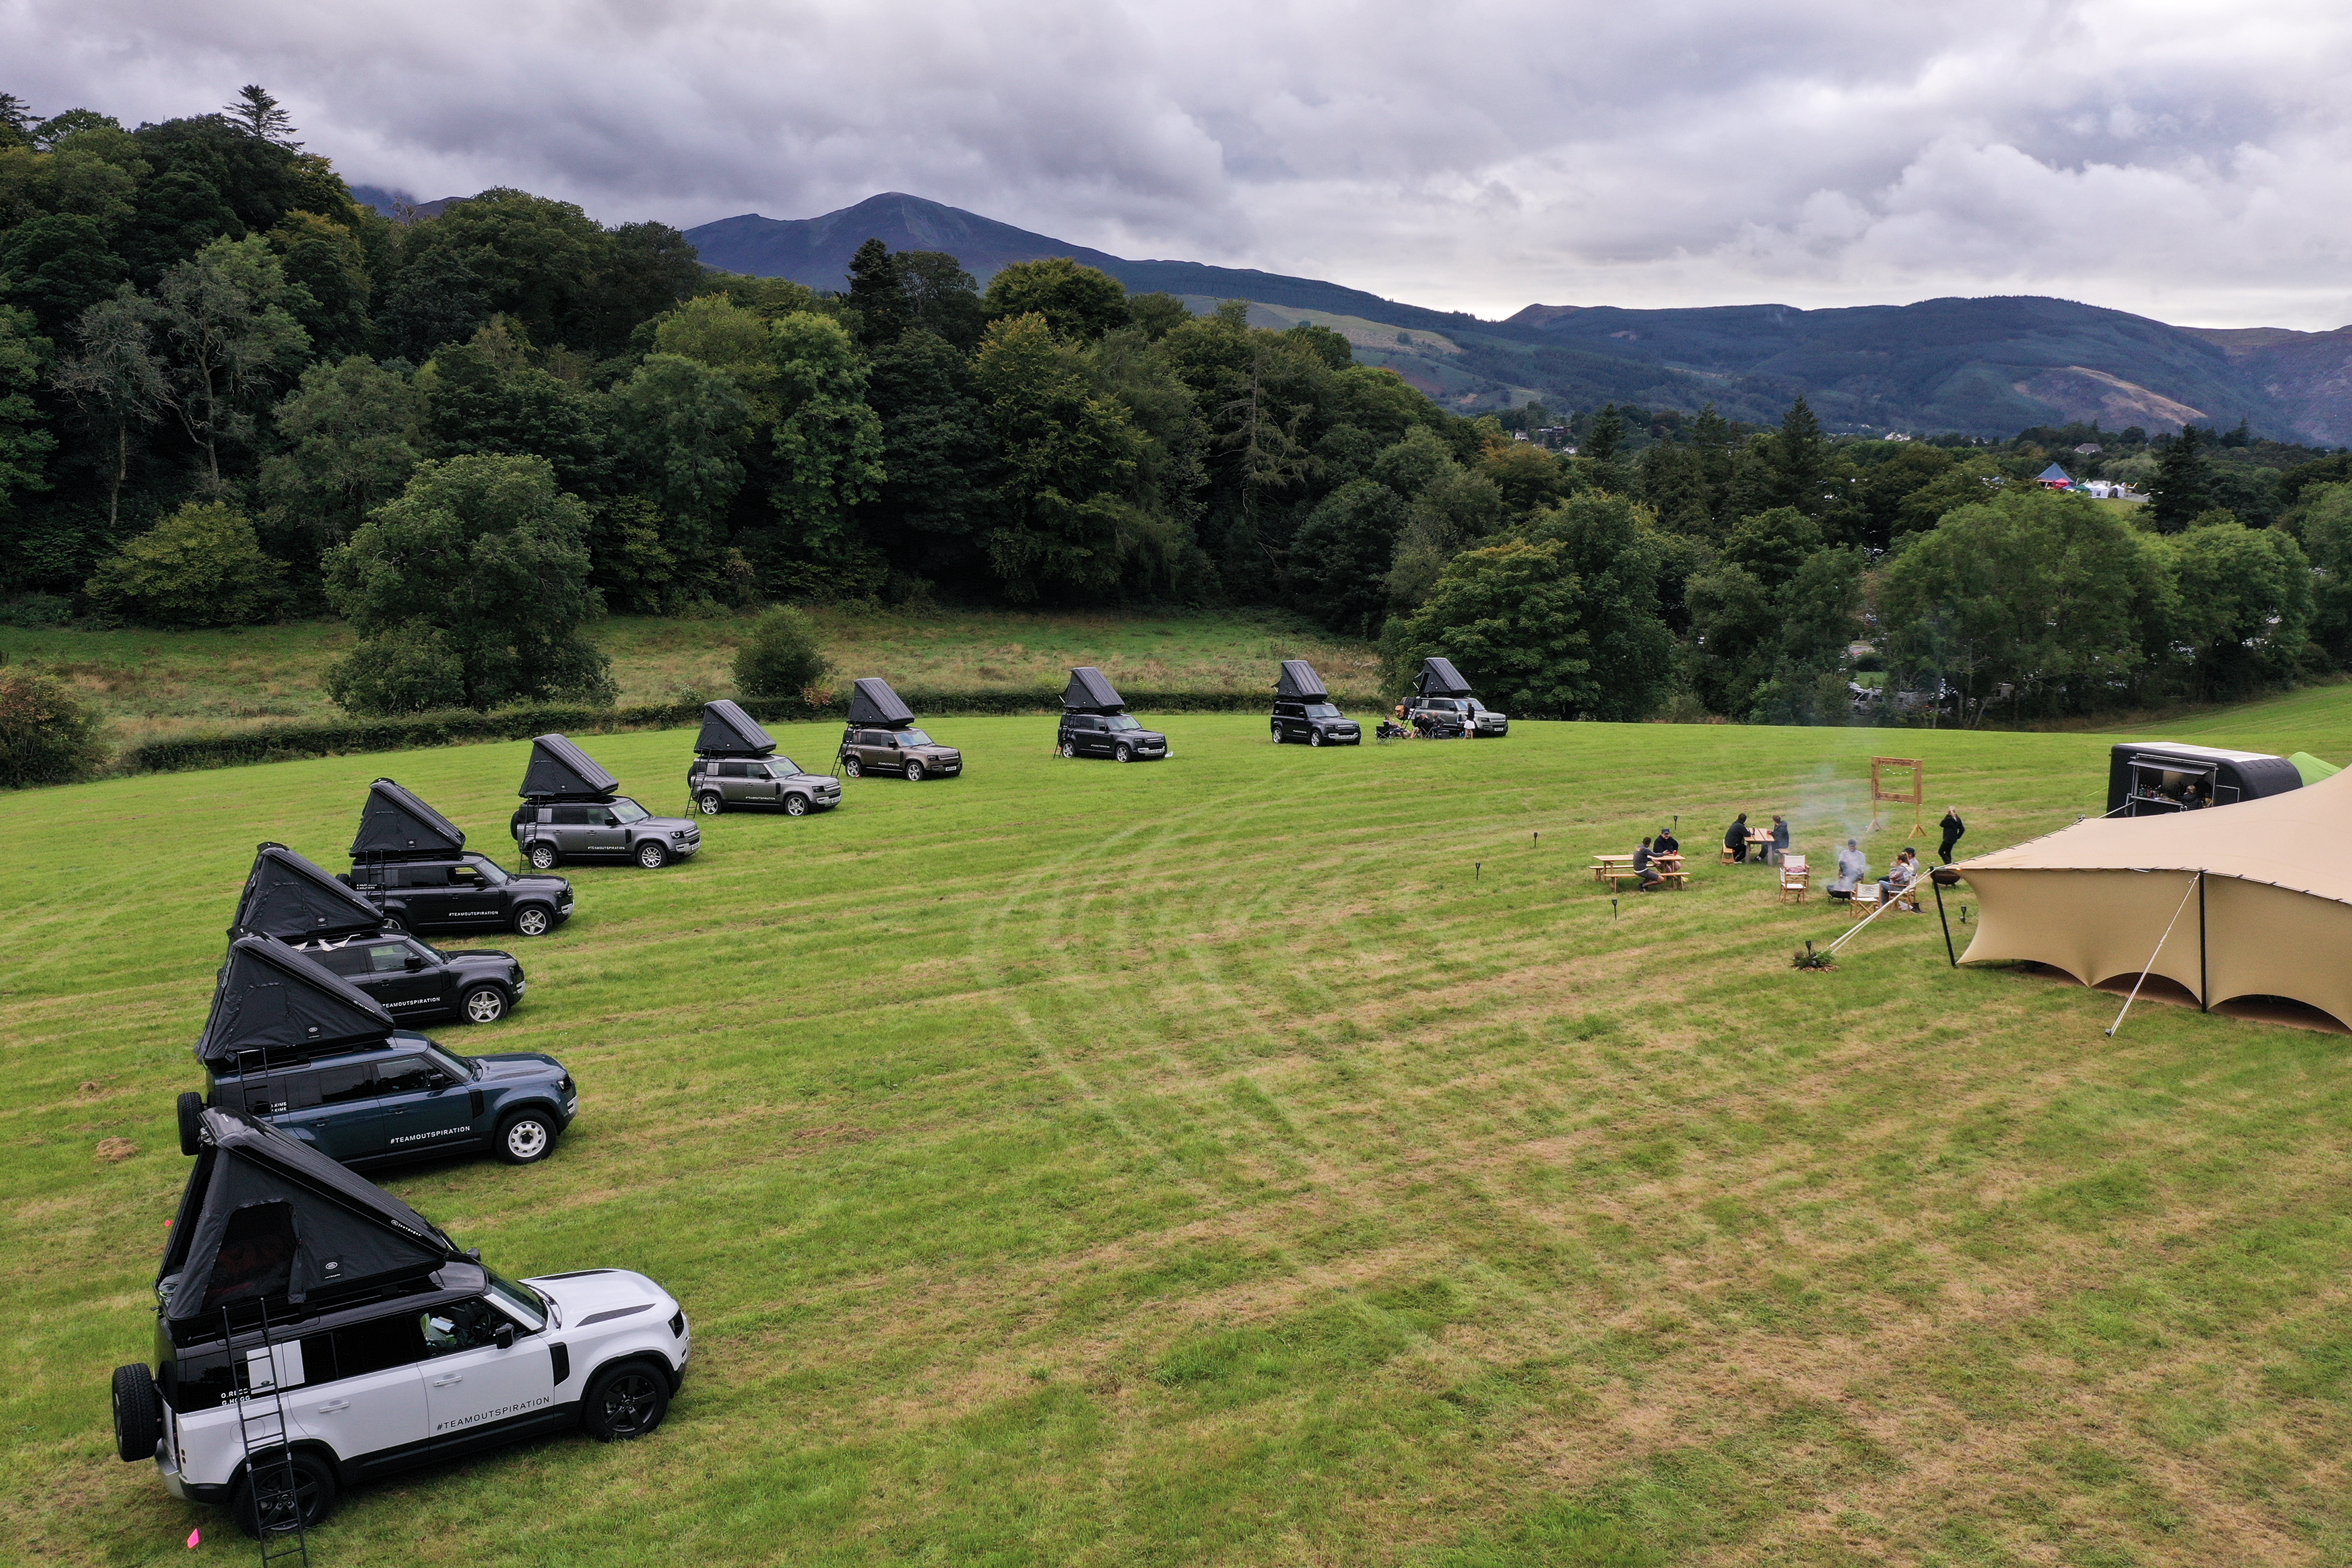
<point x="268" y="1458"/>
<point x="2197" y="888"/>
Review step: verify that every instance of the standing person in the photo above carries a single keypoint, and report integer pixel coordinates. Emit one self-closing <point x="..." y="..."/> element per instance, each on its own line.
<point x="1779" y="840"/>
<point x="1735" y="838"/>
<point x="1953" y="828"/>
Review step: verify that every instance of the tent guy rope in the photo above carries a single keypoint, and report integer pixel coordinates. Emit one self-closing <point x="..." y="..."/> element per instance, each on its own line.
<point x="2196" y="883"/>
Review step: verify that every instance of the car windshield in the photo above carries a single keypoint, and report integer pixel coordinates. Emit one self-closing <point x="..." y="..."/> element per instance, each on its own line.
<point x="490" y="871"/>
<point x="520" y="1302"/>
<point x="625" y="810"/>
<point x="461" y="1068"/>
<point x="1120" y="721"/>
<point x="913" y="737"/>
<point x="1473" y="706"/>
<point x="1322" y="710"/>
<point x="782" y="767"/>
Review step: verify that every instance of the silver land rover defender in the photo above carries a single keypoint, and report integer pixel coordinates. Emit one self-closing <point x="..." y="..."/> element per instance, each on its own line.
<point x="570" y="812"/>
<point x="735" y="766"/>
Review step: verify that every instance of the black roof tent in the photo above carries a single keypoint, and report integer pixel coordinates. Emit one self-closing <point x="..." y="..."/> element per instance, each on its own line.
<point x="286" y="897"/>
<point x="1300" y="684"/>
<point x="728" y="731"/>
<point x="281" y="1004"/>
<point x="560" y="770"/>
<point x="1439" y="678"/>
<point x="871" y="701"/>
<point x="2150" y="778"/>
<point x="395" y="825"/>
<point x="1088" y="692"/>
<point x="268" y="1218"/>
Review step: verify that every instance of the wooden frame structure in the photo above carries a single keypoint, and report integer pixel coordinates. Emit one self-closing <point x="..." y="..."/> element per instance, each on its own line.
<point x="1883" y="773"/>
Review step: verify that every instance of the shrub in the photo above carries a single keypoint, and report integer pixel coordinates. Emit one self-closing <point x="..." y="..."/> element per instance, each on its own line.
<point x="781" y="659"/>
<point x="44" y="610"/>
<point x="47" y="735"/>
<point x="201" y="566"/>
<point x="409" y="669"/>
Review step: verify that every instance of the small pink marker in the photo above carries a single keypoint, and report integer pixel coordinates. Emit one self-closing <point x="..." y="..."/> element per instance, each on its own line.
<point x="194" y="1536"/>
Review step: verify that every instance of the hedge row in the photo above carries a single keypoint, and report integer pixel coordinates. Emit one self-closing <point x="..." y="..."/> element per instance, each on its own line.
<point x="332" y="737"/>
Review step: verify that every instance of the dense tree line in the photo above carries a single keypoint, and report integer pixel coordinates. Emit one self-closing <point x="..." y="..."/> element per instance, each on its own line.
<point x="229" y="393"/>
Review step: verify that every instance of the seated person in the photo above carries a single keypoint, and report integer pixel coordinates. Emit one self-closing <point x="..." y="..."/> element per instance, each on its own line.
<point x="1900" y="875"/>
<point x="1735" y="838"/>
<point x="1643" y="869"/>
<point x="1779" y="849"/>
<point x="1665" y="845"/>
<point x="1852" y="866"/>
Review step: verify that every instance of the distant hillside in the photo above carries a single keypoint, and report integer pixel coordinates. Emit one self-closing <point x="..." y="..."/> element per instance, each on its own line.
<point x="1988" y="367"/>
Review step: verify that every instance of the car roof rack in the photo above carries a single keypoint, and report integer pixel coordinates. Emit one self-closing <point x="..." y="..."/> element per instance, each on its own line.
<point x="288" y="897"/>
<point x="1439" y="678"/>
<point x="268" y="1220"/>
<point x="1089" y="692"/>
<point x="1300" y="684"/>
<point x="395" y="825"/>
<point x="871" y="701"/>
<point x="279" y="1002"/>
<point x="728" y="731"/>
<point x="560" y="770"/>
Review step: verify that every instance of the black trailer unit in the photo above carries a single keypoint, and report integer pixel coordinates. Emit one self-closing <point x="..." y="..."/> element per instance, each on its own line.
<point x="881" y="738"/>
<point x="288" y="897"/>
<point x="2156" y="778"/>
<point x="1095" y="723"/>
<point x="1304" y="711"/>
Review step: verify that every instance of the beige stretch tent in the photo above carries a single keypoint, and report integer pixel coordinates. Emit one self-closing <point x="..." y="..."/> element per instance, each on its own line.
<point x="2273" y="918"/>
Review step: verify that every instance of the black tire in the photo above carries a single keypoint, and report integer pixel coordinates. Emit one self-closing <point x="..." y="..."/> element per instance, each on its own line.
<point x="533" y="920"/>
<point x="1277" y="735"/>
<point x="1314" y="737"/>
<point x="852" y="769"/>
<point x="653" y="855"/>
<point x="1126" y="754"/>
<point x="796" y="805"/>
<point x="914" y="770"/>
<point x="314" y="1493"/>
<point x="138" y="1414"/>
<point x="483" y="1004"/>
<point x="542" y="856"/>
<point x="710" y="802"/>
<point x="625" y="1402"/>
<point x="527" y="1139"/>
<point x="1069" y="749"/>
<point x="191" y="1113"/>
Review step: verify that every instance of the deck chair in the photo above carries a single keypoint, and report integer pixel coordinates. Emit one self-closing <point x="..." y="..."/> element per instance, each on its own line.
<point x="1866" y="897"/>
<point x="1796" y="880"/>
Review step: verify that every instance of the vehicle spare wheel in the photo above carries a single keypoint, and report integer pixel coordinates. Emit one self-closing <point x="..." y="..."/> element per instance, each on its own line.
<point x="138" y="1414"/>
<point x="191" y="1116"/>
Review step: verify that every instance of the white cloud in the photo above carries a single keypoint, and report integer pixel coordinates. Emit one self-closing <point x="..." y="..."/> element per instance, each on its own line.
<point x="2155" y="156"/>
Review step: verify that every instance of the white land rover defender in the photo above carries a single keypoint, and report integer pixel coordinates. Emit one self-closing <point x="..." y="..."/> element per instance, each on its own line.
<point x="312" y="1330"/>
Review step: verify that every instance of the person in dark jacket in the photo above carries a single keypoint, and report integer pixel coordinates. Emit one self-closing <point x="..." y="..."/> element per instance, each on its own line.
<point x="1735" y="838"/>
<point x="1666" y="843"/>
<point x="1779" y="850"/>
<point x="1953" y="828"/>
<point x="1643" y="869"/>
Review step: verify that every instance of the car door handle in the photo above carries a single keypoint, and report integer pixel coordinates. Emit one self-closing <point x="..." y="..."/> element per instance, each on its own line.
<point x="333" y="1406"/>
<point x="445" y="1382"/>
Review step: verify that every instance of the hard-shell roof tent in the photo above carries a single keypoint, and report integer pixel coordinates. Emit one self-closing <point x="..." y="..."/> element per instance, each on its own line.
<point x="728" y="731"/>
<point x="1300" y="684"/>
<point x="2231" y="910"/>
<point x="871" y="701"/>
<point x="396" y="825"/>
<point x="268" y="1220"/>
<point x="1439" y="678"/>
<point x="286" y="897"/>
<point x="1089" y="692"/>
<point x="273" y="1005"/>
<point x="2055" y="477"/>
<point x="560" y="770"/>
<point x="2156" y="778"/>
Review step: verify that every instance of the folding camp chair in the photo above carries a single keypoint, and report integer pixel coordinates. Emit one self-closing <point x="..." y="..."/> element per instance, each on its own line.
<point x="1796" y="880"/>
<point x="1865" y="895"/>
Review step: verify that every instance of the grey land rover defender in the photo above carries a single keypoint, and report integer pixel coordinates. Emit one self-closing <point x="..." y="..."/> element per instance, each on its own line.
<point x="881" y="738"/>
<point x="1442" y="706"/>
<point x="735" y="766"/>
<point x="570" y="811"/>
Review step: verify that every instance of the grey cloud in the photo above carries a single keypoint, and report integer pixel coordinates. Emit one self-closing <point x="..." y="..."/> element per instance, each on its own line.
<point x="2151" y="156"/>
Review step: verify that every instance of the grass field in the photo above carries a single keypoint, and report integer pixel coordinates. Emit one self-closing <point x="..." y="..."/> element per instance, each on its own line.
<point x="1269" y="1157"/>
<point x="154" y="684"/>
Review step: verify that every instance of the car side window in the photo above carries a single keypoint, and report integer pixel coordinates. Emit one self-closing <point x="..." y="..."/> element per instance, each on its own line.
<point x="344" y="961"/>
<point x="343" y="1086"/>
<point x="378" y="1345"/>
<point x="387" y="958"/>
<point x="730" y="771"/>
<point x="425" y="877"/>
<point x="568" y="815"/>
<point x="461" y="1325"/>
<point x="407" y="1075"/>
<point x="464" y="876"/>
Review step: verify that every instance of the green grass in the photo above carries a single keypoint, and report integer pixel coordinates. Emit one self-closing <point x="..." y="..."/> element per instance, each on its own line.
<point x="151" y="685"/>
<point x="1268" y="1156"/>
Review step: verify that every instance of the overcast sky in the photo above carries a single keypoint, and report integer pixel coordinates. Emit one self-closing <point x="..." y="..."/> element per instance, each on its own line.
<point x="2190" y="161"/>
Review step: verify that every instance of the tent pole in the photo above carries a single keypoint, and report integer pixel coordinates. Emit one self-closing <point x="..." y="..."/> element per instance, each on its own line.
<point x="2204" y="982"/>
<point x="1948" y="923"/>
<point x="2197" y="886"/>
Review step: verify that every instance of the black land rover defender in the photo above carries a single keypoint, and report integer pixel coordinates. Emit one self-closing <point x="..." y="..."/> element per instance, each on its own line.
<point x="288" y="897"/>
<point x="1304" y="711"/>
<point x="410" y="863"/>
<point x="1441" y="705"/>
<point x="570" y="811"/>
<point x="1095" y="723"/>
<point x="881" y="738"/>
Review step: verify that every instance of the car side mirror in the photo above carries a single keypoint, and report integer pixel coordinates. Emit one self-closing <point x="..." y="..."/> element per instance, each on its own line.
<point x="504" y="1335"/>
<point x="413" y="962"/>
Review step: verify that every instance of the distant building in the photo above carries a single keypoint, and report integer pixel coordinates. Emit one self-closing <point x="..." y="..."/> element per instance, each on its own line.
<point x="2055" y="479"/>
<point x="1896" y="436"/>
<point x="2088" y="449"/>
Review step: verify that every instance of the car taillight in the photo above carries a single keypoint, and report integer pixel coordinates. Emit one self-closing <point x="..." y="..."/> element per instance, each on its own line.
<point x="677" y="1325"/>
